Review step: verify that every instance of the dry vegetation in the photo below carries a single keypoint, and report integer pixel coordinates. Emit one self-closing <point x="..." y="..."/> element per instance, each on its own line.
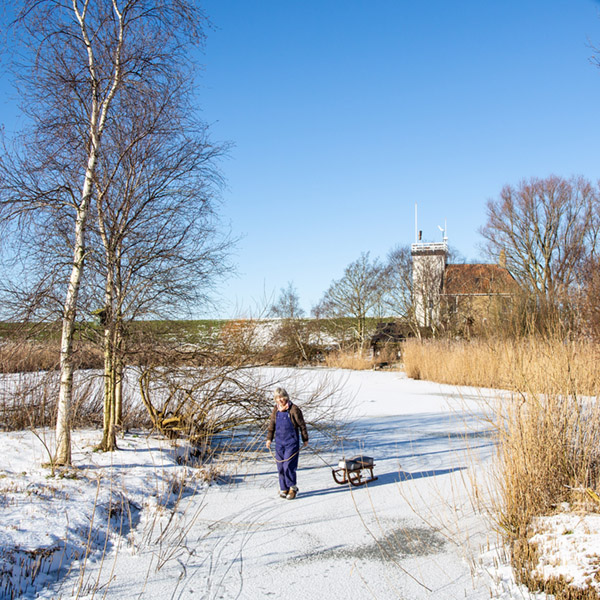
<point x="548" y="454"/>
<point x="361" y="361"/>
<point x="348" y="360"/>
<point x="22" y="356"/>
<point x="206" y="390"/>
<point x="524" y="365"/>
<point x="548" y="431"/>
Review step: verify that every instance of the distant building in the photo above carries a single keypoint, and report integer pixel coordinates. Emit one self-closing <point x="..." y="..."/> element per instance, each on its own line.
<point x="429" y="261"/>
<point x="459" y="294"/>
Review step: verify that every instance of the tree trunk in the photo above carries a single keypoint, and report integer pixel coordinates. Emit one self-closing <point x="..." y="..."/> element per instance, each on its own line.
<point x="118" y="369"/>
<point x="109" y="437"/>
<point x="113" y="386"/>
<point x="63" y="419"/>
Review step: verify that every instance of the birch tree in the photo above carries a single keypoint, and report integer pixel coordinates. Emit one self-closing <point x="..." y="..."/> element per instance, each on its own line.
<point x="156" y="185"/>
<point x="76" y="59"/>
<point x="292" y="333"/>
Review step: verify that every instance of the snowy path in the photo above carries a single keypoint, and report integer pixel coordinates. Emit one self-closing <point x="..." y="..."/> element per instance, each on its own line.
<point x="335" y="541"/>
<point x="407" y="535"/>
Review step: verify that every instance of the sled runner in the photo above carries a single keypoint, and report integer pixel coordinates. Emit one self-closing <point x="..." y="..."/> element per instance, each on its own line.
<point x="354" y="471"/>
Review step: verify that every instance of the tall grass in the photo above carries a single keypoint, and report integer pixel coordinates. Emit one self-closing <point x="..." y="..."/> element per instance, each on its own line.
<point x="23" y="356"/>
<point x="526" y="365"/>
<point x="348" y="360"/>
<point x="548" y="432"/>
<point x="548" y="454"/>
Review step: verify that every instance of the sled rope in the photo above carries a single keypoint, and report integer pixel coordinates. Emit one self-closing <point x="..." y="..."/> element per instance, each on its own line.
<point x="318" y="455"/>
<point x="315" y="452"/>
<point x="284" y="459"/>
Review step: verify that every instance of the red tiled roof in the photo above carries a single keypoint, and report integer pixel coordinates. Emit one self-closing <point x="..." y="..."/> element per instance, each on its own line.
<point x="478" y="279"/>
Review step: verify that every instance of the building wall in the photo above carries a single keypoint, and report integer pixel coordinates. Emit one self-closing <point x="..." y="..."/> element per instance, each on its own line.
<point x="429" y="261"/>
<point x="472" y="314"/>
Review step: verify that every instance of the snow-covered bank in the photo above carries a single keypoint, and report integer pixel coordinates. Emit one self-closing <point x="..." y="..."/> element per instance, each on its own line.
<point x="411" y="534"/>
<point x="52" y="525"/>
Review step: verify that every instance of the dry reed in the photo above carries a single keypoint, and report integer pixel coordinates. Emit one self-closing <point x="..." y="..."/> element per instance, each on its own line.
<point x="529" y="364"/>
<point x="348" y="360"/>
<point x="548" y="452"/>
<point x="548" y="431"/>
<point x="27" y="356"/>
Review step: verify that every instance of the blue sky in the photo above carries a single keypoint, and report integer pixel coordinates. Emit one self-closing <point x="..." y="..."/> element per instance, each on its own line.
<point x="344" y="114"/>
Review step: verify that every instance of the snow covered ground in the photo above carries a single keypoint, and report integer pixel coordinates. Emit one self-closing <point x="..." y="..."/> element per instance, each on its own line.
<point x="140" y="524"/>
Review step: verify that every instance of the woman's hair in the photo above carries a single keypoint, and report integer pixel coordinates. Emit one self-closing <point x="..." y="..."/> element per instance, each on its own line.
<point x="280" y="393"/>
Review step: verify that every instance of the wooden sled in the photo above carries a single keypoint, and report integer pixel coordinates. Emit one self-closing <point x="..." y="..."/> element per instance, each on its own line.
<point x="354" y="471"/>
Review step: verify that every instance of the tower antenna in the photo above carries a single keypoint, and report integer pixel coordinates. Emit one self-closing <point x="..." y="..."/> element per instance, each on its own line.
<point x="444" y="231"/>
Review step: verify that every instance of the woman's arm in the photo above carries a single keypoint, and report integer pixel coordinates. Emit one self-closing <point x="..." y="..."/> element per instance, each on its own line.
<point x="271" y="428"/>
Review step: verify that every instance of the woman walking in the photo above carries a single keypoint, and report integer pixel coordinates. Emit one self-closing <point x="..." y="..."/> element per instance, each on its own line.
<point x="285" y="423"/>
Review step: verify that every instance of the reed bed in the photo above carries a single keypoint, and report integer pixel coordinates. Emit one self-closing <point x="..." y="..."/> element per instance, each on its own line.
<point x="529" y="364"/>
<point x="547" y="430"/>
<point x="348" y="360"/>
<point x="25" y="356"/>
<point x="547" y="460"/>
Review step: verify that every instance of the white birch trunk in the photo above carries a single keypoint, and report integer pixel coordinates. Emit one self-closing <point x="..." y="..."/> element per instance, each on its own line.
<point x="97" y="120"/>
<point x="63" y="419"/>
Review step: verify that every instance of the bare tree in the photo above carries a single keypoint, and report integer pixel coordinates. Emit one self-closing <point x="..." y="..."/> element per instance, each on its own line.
<point x="588" y="299"/>
<point x="544" y="228"/>
<point x="293" y="333"/>
<point x="228" y="400"/>
<point x="357" y="295"/>
<point x="398" y="298"/>
<point x="287" y="305"/>
<point x="80" y="57"/>
<point x="156" y="185"/>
